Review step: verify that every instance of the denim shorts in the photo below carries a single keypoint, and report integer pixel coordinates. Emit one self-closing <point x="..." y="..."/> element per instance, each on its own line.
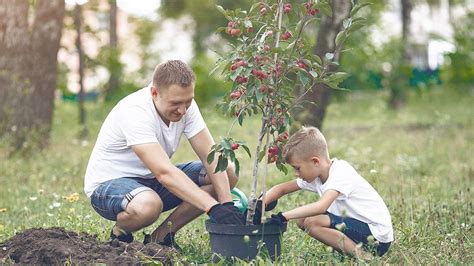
<point x="359" y="232"/>
<point x="112" y="197"/>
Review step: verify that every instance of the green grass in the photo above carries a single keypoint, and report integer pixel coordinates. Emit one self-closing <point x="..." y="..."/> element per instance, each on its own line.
<point x="420" y="160"/>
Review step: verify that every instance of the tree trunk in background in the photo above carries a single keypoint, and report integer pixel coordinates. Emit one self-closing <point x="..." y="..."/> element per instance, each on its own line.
<point x="114" y="65"/>
<point x="28" y="63"/>
<point x="80" y="54"/>
<point x="398" y="89"/>
<point x="321" y="93"/>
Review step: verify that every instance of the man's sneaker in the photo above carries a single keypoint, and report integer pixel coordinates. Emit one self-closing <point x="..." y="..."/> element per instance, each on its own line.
<point x="127" y="238"/>
<point x="168" y="241"/>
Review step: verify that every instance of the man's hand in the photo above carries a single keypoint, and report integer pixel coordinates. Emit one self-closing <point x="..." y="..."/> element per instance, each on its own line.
<point x="226" y="213"/>
<point x="277" y="219"/>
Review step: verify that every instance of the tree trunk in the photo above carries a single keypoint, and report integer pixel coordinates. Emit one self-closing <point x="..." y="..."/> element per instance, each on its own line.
<point x="28" y="62"/>
<point x="115" y="68"/>
<point x="399" y="86"/>
<point x="321" y="93"/>
<point x="80" y="54"/>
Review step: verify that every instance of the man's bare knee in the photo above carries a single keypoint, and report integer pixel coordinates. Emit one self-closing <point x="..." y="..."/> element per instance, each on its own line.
<point x="145" y="207"/>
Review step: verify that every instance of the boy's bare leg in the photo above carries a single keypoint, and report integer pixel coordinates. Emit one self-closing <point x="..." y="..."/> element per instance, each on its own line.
<point x="318" y="227"/>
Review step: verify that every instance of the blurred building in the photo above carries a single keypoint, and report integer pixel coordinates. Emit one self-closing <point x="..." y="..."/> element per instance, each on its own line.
<point x="431" y="30"/>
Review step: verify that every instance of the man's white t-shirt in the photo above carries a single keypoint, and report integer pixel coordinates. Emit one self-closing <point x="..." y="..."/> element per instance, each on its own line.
<point x="134" y="120"/>
<point x="357" y="199"/>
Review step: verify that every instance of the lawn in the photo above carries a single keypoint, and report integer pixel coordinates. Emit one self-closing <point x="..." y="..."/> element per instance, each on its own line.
<point x="420" y="160"/>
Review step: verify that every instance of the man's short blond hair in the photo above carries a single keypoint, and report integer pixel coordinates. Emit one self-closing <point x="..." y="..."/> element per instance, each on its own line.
<point x="305" y="143"/>
<point x="173" y="72"/>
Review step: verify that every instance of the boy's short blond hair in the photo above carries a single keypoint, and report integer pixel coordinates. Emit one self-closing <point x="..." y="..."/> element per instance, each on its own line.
<point x="173" y="72"/>
<point x="305" y="143"/>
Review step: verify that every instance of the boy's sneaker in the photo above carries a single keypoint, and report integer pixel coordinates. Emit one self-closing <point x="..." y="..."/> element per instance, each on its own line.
<point x="168" y="241"/>
<point x="127" y="238"/>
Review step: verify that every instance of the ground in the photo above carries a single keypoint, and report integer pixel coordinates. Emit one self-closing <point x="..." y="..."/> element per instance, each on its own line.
<point x="58" y="246"/>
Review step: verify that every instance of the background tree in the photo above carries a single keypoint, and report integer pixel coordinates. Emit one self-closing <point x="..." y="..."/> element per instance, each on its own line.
<point x="80" y="54"/>
<point x="326" y="42"/>
<point x="113" y="63"/>
<point x="28" y="64"/>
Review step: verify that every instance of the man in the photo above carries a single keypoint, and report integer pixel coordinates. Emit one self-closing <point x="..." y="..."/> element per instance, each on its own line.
<point x="130" y="178"/>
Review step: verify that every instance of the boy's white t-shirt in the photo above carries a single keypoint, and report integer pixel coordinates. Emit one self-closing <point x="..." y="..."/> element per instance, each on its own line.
<point x="134" y="120"/>
<point x="357" y="199"/>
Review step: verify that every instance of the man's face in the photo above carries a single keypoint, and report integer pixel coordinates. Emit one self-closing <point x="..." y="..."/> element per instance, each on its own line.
<point x="172" y="102"/>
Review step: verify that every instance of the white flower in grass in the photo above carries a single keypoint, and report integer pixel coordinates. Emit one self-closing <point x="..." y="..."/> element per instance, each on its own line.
<point x="373" y="171"/>
<point x="49" y="214"/>
<point x="84" y="143"/>
<point x="33" y="198"/>
<point x="56" y="204"/>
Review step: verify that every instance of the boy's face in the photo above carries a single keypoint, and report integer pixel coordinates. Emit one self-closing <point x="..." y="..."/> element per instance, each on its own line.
<point x="307" y="169"/>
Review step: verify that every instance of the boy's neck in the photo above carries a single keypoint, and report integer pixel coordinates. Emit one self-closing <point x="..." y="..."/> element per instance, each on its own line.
<point x="325" y="166"/>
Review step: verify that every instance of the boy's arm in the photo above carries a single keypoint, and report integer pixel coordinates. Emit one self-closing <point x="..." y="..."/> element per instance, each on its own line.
<point x="315" y="208"/>
<point x="280" y="190"/>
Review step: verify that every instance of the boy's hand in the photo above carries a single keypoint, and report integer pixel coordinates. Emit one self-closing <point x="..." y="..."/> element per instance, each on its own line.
<point x="226" y="213"/>
<point x="277" y="219"/>
<point x="270" y="206"/>
<point x="257" y="218"/>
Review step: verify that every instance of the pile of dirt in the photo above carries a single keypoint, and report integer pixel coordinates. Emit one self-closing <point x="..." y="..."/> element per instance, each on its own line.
<point x="56" y="246"/>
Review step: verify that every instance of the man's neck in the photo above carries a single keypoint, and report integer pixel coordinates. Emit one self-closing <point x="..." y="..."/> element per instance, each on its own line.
<point x="166" y="121"/>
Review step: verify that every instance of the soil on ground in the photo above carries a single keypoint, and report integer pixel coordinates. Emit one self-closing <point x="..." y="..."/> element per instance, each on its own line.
<point x="57" y="246"/>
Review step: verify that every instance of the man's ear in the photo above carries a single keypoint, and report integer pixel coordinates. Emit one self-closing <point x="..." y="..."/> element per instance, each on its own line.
<point x="154" y="91"/>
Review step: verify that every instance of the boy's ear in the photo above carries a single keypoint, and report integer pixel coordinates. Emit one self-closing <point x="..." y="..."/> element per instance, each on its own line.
<point x="316" y="160"/>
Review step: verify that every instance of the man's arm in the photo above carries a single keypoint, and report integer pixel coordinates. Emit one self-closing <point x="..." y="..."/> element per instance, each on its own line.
<point x="202" y="143"/>
<point x="280" y="190"/>
<point x="315" y="208"/>
<point x="155" y="158"/>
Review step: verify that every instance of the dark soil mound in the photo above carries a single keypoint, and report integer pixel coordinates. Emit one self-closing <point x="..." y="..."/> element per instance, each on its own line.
<point x="56" y="246"/>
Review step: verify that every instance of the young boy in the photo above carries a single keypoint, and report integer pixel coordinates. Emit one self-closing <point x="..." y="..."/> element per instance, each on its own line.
<point x="349" y="210"/>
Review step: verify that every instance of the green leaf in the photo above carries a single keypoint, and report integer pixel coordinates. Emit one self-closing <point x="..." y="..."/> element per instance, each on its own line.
<point x="261" y="155"/>
<point x="303" y="75"/>
<point x="337" y="77"/>
<point x="247" y="150"/>
<point x="254" y="6"/>
<point x="225" y="143"/>
<point x="221" y="164"/>
<point x="237" y="167"/>
<point x="210" y="156"/>
<point x="222" y="10"/>
<point x="356" y="25"/>
<point x="232" y="156"/>
<point x="357" y="7"/>
<point x="313" y="73"/>
<point x="326" y="9"/>
<point x="282" y="168"/>
<point x="340" y="37"/>
<point x="241" y="119"/>
<point x="346" y="23"/>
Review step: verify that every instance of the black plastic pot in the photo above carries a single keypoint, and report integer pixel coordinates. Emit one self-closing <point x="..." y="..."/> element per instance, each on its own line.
<point x="242" y="241"/>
